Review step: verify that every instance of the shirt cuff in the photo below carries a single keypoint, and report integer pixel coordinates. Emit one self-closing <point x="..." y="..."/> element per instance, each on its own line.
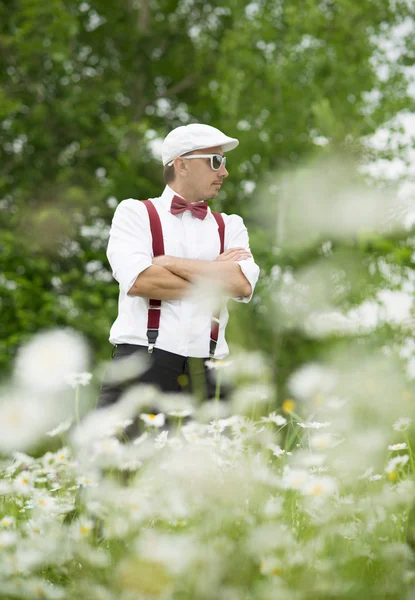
<point x="251" y="271"/>
<point x="127" y="275"/>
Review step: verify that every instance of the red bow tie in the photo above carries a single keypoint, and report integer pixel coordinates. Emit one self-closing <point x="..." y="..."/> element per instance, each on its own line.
<point x="179" y="205"/>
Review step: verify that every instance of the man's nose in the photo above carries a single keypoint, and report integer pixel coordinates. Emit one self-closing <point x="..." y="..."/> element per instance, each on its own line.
<point x="223" y="171"/>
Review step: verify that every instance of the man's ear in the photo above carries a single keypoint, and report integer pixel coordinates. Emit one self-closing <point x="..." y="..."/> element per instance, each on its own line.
<point x="180" y="166"/>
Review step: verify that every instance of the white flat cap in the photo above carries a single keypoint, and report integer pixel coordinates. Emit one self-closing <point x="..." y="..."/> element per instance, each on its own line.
<point x="195" y="136"/>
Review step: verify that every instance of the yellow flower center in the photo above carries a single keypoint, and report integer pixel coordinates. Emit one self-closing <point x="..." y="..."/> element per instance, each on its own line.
<point x="321" y="443"/>
<point x="317" y="490"/>
<point x="406" y="394"/>
<point x="392" y="475"/>
<point x="288" y="406"/>
<point x="318" y="400"/>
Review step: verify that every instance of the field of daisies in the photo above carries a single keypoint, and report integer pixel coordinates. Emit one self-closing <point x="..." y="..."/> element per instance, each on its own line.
<point x="220" y="500"/>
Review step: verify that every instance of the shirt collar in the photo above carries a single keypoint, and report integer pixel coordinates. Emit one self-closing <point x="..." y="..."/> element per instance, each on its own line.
<point x="167" y="197"/>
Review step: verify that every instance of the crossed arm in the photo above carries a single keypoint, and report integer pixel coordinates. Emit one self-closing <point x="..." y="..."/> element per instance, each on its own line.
<point x="170" y="278"/>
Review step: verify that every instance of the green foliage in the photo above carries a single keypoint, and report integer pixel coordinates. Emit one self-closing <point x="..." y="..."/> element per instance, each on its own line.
<point x="83" y="84"/>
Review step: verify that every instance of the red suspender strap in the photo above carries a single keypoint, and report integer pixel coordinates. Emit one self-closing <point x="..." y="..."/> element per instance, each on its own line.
<point x="221" y="228"/>
<point x="154" y="306"/>
<point x="214" y="332"/>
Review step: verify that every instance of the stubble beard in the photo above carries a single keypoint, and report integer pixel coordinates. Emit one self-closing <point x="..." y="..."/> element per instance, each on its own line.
<point x="213" y="194"/>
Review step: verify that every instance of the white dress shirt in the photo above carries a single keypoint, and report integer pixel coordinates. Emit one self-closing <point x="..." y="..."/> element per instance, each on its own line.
<point x="184" y="324"/>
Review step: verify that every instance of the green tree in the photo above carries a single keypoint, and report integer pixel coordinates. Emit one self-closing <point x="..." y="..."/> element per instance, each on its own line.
<point x="86" y="88"/>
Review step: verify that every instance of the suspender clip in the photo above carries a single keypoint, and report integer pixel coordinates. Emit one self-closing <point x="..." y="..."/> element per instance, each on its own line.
<point x="151" y="337"/>
<point x="212" y="348"/>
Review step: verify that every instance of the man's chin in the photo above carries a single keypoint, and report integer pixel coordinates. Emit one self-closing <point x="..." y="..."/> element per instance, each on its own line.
<point x="211" y="195"/>
<point x="214" y="192"/>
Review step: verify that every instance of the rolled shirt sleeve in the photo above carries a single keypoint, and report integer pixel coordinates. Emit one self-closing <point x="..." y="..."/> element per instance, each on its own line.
<point x="236" y="236"/>
<point x="129" y="248"/>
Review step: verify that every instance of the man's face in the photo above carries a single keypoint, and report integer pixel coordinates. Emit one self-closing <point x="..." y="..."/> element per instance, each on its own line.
<point x="204" y="182"/>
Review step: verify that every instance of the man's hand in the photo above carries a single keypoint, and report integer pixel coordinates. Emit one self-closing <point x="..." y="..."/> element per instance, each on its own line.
<point x="234" y="254"/>
<point x="160" y="260"/>
<point x="228" y="273"/>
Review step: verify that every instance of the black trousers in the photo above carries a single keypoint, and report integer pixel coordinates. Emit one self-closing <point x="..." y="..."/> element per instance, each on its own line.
<point x="170" y="372"/>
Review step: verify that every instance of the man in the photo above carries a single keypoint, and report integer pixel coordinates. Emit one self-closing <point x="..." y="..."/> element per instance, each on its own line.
<point x="178" y="330"/>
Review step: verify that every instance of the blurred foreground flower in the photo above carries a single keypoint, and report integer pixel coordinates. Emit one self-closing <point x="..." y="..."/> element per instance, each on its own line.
<point x="212" y="509"/>
<point x="61" y="428"/>
<point x="75" y="379"/>
<point x="45" y="363"/>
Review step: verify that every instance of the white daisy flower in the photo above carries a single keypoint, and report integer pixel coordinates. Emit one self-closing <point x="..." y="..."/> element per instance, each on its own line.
<point x="312" y="379"/>
<point x="396" y="462"/>
<point x="7" y="522"/>
<point x="24" y="418"/>
<point x="276" y="450"/>
<point x="75" y="379"/>
<point x="295" y="478"/>
<point x="216" y="427"/>
<point x="153" y="420"/>
<point x="61" y="428"/>
<point x="161" y="439"/>
<point x="270" y="566"/>
<point x="5" y="488"/>
<point x="35" y="527"/>
<point x="63" y="456"/>
<point x="320" y="486"/>
<point x="274" y="506"/>
<point x="402" y="424"/>
<point x="82" y="528"/>
<point x="180" y="414"/>
<point x="175" y="443"/>
<point x="191" y="433"/>
<point x="243" y="427"/>
<point x="23" y="483"/>
<point x="321" y="441"/>
<point x="279" y="420"/>
<point x="370" y="476"/>
<point x="90" y="480"/>
<point x="142" y="438"/>
<point x="314" y="425"/>
<point x="218" y="364"/>
<point x="107" y="447"/>
<point x="7" y="539"/>
<point x="401" y="446"/>
<point x="45" y="362"/>
<point x="44" y="502"/>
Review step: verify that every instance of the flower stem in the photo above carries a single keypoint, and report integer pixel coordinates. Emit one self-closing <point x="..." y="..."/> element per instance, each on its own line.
<point x="77" y="394"/>
<point x="218" y="384"/>
<point x="411" y="456"/>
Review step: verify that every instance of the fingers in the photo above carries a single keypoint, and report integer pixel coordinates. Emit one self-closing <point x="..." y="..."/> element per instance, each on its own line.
<point x="235" y="254"/>
<point x="233" y="250"/>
